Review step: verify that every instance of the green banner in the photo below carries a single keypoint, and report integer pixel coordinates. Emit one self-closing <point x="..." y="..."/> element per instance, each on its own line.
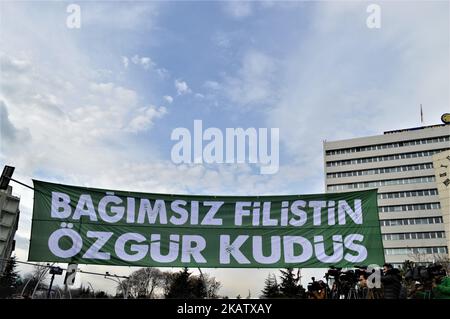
<point x="82" y="225"/>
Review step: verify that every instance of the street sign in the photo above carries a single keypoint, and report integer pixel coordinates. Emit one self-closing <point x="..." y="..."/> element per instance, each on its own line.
<point x="55" y="271"/>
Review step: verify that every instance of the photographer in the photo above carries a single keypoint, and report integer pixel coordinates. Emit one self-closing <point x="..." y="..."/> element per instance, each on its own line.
<point x="334" y="292"/>
<point x="363" y="289"/>
<point x="391" y="281"/>
<point x="317" y="289"/>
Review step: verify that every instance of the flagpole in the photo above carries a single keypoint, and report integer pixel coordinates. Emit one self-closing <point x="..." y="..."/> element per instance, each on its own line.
<point x="421" y="114"/>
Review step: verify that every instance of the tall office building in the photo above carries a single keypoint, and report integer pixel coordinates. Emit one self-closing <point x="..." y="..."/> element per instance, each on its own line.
<point x="441" y="163"/>
<point x="400" y="164"/>
<point x="9" y="220"/>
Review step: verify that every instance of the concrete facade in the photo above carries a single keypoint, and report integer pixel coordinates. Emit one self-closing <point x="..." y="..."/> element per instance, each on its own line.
<point x="9" y="219"/>
<point x="441" y="162"/>
<point x="400" y="164"/>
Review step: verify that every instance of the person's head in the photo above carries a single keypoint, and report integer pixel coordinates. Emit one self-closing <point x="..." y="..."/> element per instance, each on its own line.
<point x="387" y="267"/>
<point x="363" y="280"/>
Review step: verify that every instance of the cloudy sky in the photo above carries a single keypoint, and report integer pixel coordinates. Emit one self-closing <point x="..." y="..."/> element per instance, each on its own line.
<point x="95" y="106"/>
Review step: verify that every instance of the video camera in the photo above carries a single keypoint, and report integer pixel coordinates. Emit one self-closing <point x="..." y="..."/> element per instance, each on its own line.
<point x="333" y="272"/>
<point x="349" y="276"/>
<point x="425" y="274"/>
<point x="315" y="285"/>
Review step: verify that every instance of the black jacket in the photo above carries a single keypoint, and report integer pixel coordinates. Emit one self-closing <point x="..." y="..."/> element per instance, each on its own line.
<point x="392" y="284"/>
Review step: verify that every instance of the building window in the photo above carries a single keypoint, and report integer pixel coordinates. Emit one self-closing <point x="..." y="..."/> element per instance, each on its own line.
<point x="384" y="158"/>
<point x="401" y="181"/>
<point x="384" y="170"/>
<point x="425" y="192"/>
<point x="418" y="235"/>
<point x="411" y="221"/>
<point x="411" y="207"/>
<point x="416" y="250"/>
<point x="388" y="145"/>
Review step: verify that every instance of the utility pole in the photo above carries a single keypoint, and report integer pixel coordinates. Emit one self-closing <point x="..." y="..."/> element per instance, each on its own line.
<point x="53" y="271"/>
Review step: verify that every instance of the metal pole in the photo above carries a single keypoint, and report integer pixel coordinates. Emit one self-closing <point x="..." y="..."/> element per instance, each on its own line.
<point x="50" y="287"/>
<point x="23" y="290"/>
<point x="124" y="289"/>
<point x="70" y="294"/>
<point x="93" y="291"/>
<point x="12" y="179"/>
<point x="42" y="276"/>
<point x="59" y="292"/>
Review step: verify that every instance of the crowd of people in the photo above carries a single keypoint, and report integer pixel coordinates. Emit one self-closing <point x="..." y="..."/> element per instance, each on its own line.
<point x="412" y="283"/>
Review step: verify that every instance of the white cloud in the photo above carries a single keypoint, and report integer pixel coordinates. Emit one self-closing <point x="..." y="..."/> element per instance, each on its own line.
<point x="254" y="82"/>
<point x="338" y="84"/>
<point x="147" y="63"/>
<point x="135" y="59"/>
<point x="182" y="87"/>
<point x="199" y="96"/>
<point x="163" y="73"/>
<point x="125" y="62"/>
<point x="65" y="124"/>
<point x="144" y="118"/>
<point x="121" y="16"/>
<point x="221" y="39"/>
<point x="12" y="65"/>
<point x="238" y="9"/>
<point x="10" y="135"/>
<point x="57" y="117"/>
<point x="213" y="85"/>
<point x="168" y="98"/>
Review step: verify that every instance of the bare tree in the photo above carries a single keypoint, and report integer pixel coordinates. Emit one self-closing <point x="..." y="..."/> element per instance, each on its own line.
<point x="167" y="280"/>
<point x="420" y="257"/>
<point x="443" y="260"/>
<point x="143" y="283"/>
<point x="40" y="273"/>
<point x="212" y="286"/>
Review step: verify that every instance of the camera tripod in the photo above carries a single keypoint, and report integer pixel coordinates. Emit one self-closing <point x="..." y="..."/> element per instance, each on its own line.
<point x="374" y="293"/>
<point x="352" y="293"/>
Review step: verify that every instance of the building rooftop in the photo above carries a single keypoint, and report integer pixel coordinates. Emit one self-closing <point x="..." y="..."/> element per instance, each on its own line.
<point x="415" y="128"/>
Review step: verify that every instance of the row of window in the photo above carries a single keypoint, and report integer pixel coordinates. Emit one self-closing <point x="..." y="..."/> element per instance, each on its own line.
<point x="401" y="181"/>
<point x="382" y="170"/>
<point x="416" y="250"/>
<point x="384" y="158"/>
<point x="388" y="145"/>
<point x="424" y="192"/>
<point x="421" y="235"/>
<point x="411" y="221"/>
<point x="416" y="263"/>
<point x="405" y="208"/>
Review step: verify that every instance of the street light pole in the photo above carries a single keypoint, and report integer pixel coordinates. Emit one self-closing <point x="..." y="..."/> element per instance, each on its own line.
<point x="41" y="276"/>
<point x="23" y="290"/>
<point x="50" y="287"/>
<point x="53" y="271"/>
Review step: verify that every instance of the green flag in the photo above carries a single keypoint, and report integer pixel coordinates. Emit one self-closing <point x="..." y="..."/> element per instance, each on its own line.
<point x="82" y="225"/>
